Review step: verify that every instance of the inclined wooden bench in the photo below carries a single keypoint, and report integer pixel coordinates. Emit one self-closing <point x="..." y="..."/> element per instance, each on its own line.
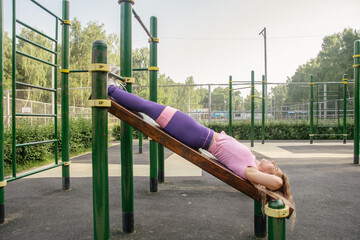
<point x="204" y="162"/>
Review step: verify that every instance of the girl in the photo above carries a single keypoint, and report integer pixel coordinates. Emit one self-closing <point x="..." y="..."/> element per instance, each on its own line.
<point x="234" y="155"/>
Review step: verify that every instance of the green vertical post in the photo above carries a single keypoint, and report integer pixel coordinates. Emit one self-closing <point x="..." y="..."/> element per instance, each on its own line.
<point x="259" y="221"/>
<point x="153" y="97"/>
<point x="357" y="104"/>
<point x="2" y="180"/>
<point x="263" y="109"/>
<point x="161" y="162"/>
<point x="65" y="96"/>
<point x="277" y="211"/>
<point x="13" y="91"/>
<point x="311" y="109"/>
<point x="230" y="105"/>
<point x="252" y="97"/>
<point x="127" y="182"/>
<point x="338" y="107"/>
<point x="100" y="142"/>
<point x="345" y="81"/>
<point x="141" y="136"/>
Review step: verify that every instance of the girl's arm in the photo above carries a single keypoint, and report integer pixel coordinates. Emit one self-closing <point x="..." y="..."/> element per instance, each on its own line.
<point x="272" y="182"/>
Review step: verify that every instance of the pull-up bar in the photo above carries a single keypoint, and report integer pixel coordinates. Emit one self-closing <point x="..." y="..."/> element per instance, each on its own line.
<point x="141" y="23"/>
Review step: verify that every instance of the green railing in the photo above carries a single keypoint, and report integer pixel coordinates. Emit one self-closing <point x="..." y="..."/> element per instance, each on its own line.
<point x="15" y="83"/>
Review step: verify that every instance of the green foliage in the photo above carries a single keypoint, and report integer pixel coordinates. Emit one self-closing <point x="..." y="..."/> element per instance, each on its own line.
<point x="281" y="130"/>
<point x="80" y="140"/>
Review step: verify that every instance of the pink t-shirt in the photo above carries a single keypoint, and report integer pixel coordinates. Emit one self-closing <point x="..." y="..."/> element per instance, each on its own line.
<point x="234" y="155"/>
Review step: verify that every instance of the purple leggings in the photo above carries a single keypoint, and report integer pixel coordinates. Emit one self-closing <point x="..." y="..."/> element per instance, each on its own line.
<point x="181" y="126"/>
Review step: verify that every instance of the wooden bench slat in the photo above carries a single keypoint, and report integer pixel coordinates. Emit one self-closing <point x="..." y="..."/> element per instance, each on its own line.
<point x="194" y="156"/>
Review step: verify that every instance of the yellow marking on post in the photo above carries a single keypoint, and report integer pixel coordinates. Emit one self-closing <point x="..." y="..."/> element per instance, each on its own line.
<point x="99" y="67"/>
<point x="3" y="183"/>
<point x="311" y="135"/>
<point x="277" y="213"/>
<point x="356" y="65"/>
<point x="311" y="83"/>
<point x="67" y="163"/>
<point x="130" y="1"/>
<point x="129" y="79"/>
<point x="154" y="68"/>
<point x="64" y="70"/>
<point x="99" y="103"/>
<point x="357" y="56"/>
<point x="67" y="22"/>
<point x="155" y="40"/>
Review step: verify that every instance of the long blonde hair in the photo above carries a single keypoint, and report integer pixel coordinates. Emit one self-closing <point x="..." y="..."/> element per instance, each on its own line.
<point x="285" y="190"/>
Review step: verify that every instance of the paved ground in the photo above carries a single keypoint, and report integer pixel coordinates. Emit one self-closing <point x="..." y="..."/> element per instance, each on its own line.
<point x="191" y="204"/>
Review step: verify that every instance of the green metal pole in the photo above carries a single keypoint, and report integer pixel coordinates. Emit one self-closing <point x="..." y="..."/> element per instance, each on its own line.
<point x="127" y="182"/>
<point x="13" y="91"/>
<point x="277" y="212"/>
<point x="259" y="221"/>
<point x="100" y="144"/>
<point x="153" y="97"/>
<point x="230" y="105"/>
<point x="252" y="96"/>
<point x="345" y="81"/>
<point x="2" y="182"/>
<point x="141" y="136"/>
<point x="263" y="109"/>
<point x="65" y="139"/>
<point x="311" y="109"/>
<point x="357" y="104"/>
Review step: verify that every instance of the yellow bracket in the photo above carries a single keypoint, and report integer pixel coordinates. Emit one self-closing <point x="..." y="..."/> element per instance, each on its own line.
<point x="357" y="56"/>
<point x="99" y="67"/>
<point x="252" y="96"/>
<point x="356" y="65"/>
<point x="263" y="81"/>
<point x="64" y="70"/>
<point x="99" y="103"/>
<point x="230" y="89"/>
<point x="311" y="135"/>
<point x="130" y="1"/>
<point x="3" y="183"/>
<point x="345" y="82"/>
<point x="230" y="81"/>
<point x="344" y="135"/>
<point x="129" y="79"/>
<point x="277" y="213"/>
<point x="153" y="68"/>
<point x="66" y="163"/>
<point x="66" y="22"/>
<point x="311" y="83"/>
<point x="264" y="98"/>
<point x="155" y="40"/>
<point x="252" y="86"/>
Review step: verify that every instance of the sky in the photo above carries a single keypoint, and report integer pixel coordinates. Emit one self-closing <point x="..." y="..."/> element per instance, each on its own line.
<point x="212" y="39"/>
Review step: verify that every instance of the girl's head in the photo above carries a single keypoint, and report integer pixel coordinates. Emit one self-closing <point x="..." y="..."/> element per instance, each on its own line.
<point x="270" y="167"/>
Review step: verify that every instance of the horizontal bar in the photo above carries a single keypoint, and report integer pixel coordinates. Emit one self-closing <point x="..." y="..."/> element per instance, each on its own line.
<point x="37" y="31"/>
<point x="45" y="9"/>
<point x="32" y="173"/>
<point x="78" y="71"/>
<point x="35" y="143"/>
<point x="328" y="91"/>
<point x="140" y="69"/>
<point x="240" y="88"/>
<point x="35" y="58"/>
<point x="35" y="44"/>
<point x="141" y="23"/>
<point x="34" y="115"/>
<point x="34" y="86"/>
<point x="117" y="76"/>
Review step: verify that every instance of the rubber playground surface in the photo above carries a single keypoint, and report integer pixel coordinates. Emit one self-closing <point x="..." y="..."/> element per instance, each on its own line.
<point x="190" y="204"/>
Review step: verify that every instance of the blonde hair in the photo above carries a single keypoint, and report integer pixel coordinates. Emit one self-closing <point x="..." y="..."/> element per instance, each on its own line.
<point x="285" y="190"/>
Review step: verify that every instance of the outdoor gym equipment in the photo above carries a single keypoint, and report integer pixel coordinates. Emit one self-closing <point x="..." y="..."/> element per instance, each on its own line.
<point x="64" y="96"/>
